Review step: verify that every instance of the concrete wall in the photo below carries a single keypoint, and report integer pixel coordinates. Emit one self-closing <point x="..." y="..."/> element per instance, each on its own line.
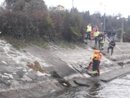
<point x="58" y="63"/>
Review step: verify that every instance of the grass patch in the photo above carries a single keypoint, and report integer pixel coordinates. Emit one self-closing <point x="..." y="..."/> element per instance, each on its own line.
<point x="65" y="44"/>
<point x="71" y="45"/>
<point x="40" y="43"/>
<point x="36" y="66"/>
<point x="17" y="43"/>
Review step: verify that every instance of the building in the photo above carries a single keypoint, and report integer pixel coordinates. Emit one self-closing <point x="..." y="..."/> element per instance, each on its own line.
<point x="58" y="8"/>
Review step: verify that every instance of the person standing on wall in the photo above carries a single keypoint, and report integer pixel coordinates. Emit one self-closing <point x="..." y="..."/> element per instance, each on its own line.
<point x="89" y="29"/>
<point x="96" y="33"/>
<point x="101" y="38"/>
<point x="92" y="32"/>
<point x="111" y="46"/>
<point x="109" y="34"/>
<point x="96" y="28"/>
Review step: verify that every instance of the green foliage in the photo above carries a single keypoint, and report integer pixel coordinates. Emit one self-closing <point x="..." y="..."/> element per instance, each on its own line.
<point x="49" y="21"/>
<point x="126" y="37"/>
<point x="30" y="22"/>
<point x="118" y="32"/>
<point x="72" y="22"/>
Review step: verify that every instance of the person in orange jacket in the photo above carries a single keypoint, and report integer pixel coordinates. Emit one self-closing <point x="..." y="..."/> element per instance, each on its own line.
<point x="96" y="28"/>
<point x="92" y="32"/>
<point x="95" y="61"/>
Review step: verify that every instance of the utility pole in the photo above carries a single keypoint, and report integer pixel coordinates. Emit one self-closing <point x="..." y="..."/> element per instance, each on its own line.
<point x="104" y="7"/>
<point x="101" y="27"/>
<point x="104" y="17"/>
<point x="104" y="21"/>
<point x="72" y="3"/>
<point x="122" y="29"/>
<point x="121" y="39"/>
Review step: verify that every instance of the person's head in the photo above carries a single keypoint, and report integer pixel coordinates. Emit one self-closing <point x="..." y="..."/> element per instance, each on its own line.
<point x="114" y="30"/>
<point x="89" y="24"/>
<point x="96" y="51"/>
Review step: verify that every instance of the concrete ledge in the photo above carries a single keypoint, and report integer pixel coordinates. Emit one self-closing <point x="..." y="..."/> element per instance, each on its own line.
<point x="81" y="81"/>
<point x="123" y="62"/>
<point x="72" y="83"/>
<point x="105" y="77"/>
<point x="114" y="74"/>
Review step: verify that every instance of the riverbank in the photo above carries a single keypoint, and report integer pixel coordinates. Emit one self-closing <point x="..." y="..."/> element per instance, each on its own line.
<point x="18" y="79"/>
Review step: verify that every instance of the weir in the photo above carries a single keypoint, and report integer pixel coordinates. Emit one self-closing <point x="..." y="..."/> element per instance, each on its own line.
<point x="60" y="66"/>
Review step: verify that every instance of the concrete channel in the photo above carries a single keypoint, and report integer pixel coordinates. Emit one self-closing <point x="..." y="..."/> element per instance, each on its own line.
<point x="17" y="80"/>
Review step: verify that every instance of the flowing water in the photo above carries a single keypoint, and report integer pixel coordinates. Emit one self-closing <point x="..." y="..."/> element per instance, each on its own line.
<point x="118" y="88"/>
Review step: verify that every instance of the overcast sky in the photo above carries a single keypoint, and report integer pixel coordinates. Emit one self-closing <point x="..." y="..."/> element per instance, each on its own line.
<point x="111" y="6"/>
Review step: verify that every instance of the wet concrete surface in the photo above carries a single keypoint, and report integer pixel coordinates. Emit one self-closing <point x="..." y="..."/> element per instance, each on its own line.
<point x="17" y="80"/>
<point x="118" y="88"/>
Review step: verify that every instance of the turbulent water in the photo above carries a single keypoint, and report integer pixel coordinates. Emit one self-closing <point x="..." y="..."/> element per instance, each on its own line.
<point x="118" y="88"/>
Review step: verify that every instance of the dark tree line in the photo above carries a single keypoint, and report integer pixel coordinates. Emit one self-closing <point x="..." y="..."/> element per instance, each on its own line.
<point x="30" y="20"/>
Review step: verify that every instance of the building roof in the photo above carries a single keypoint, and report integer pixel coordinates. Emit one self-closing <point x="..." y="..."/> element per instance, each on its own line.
<point x="60" y="6"/>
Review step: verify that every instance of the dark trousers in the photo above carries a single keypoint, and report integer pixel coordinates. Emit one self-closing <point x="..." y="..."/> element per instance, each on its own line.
<point x="89" y="35"/>
<point x="109" y="36"/>
<point x="113" y="37"/>
<point x="101" y="47"/>
<point x="96" y="66"/>
<point x="96" y="40"/>
<point x="111" y="49"/>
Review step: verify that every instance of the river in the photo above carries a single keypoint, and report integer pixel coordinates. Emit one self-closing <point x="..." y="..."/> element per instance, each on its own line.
<point x="118" y="88"/>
